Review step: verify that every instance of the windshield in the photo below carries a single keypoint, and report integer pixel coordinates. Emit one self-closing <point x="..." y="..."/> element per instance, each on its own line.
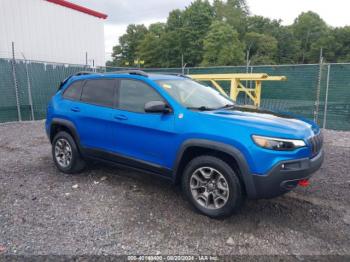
<point x="194" y="95"/>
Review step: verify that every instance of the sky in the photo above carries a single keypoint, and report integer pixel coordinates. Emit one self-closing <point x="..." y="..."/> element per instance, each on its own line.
<point x="123" y="12"/>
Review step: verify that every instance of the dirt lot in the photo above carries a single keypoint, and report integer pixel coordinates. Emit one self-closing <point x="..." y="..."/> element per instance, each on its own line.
<point x="114" y="211"/>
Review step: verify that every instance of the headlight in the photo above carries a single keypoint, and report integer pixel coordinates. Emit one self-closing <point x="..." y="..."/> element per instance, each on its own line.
<point x="278" y="143"/>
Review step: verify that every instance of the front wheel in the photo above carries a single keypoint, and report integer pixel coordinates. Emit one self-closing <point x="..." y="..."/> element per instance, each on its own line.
<point x="212" y="186"/>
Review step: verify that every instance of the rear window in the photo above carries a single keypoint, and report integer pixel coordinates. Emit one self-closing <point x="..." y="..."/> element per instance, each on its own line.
<point x="99" y="92"/>
<point x="73" y="92"/>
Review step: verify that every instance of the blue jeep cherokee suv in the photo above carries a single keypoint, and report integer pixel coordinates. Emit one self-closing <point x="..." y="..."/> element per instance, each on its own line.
<point x="174" y="127"/>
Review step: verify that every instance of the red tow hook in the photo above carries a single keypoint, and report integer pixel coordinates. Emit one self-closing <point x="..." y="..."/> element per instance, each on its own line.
<point x="304" y="182"/>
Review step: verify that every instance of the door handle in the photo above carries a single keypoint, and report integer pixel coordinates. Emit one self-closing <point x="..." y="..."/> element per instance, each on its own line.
<point x="120" y="117"/>
<point x="75" y="109"/>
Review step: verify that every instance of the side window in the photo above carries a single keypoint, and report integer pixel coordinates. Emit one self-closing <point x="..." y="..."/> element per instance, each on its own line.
<point x="99" y="92"/>
<point x="133" y="95"/>
<point x="73" y="91"/>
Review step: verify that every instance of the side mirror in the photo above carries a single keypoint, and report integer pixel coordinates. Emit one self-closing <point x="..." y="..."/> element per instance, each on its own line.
<point x="157" y="107"/>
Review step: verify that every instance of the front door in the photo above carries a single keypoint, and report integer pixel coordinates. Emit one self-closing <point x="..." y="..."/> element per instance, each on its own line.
<point x="142" y="136"/>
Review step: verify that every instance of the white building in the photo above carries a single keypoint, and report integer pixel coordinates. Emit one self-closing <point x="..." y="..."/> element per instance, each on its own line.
<point x="52" y="31"/>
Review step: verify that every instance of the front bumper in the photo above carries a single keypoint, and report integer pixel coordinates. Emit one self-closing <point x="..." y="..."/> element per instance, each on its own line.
<point x="285" y="176"/>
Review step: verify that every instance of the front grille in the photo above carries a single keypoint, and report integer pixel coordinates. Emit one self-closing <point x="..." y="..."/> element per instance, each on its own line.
<point x="316" y="143"/>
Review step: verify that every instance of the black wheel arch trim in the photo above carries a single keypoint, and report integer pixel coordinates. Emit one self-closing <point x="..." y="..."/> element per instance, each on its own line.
<point x="224" y="148"/>
<point x="68" y="124"/>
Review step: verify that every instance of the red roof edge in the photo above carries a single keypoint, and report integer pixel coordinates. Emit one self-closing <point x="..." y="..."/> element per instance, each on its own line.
<point x="78" y="8"/>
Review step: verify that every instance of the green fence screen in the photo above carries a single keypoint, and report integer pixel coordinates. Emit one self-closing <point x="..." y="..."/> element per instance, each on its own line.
<point x="320" y="93"/>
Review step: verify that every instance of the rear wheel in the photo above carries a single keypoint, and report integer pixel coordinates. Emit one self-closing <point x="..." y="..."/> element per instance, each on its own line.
<point x="65" y="154"/>
<point x="212" y="186"/>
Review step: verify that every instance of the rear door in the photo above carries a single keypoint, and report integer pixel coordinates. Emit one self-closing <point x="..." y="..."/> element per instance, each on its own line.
<point x="94" y="113"/>
<point x="140" y="135"/>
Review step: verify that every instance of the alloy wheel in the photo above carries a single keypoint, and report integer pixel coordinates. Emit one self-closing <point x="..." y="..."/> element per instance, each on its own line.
<point x="209" y="188"/>
<point x="63" y="152"/>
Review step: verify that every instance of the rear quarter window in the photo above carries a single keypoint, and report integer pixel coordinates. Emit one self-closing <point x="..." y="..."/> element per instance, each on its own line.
<point x="73" y="92"/>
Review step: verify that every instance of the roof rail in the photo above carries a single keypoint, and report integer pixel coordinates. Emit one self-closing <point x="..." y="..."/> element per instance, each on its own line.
<point x="80" y="73"/>
<point x="130" y="72"/>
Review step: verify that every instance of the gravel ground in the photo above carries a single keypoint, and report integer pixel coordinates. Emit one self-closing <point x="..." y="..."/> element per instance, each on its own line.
<point x="115" y="211"/>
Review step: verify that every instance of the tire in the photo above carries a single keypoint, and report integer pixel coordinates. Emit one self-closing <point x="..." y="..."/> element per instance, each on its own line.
<point x="63" y="141"/>
<point x="223" y="185"/>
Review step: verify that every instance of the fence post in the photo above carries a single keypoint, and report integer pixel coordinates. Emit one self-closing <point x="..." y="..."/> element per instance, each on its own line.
<point x="29" y="88"/>
<point x="326" y="98"/>
<point x="318" y="90"/>
<point x="15" y="82"/>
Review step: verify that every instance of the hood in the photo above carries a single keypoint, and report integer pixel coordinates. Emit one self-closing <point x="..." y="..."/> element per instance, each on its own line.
<point x="267" y="122"/>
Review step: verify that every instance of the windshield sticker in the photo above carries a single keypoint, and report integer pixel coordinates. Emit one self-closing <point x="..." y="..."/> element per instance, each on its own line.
<point x="166" y="86"/>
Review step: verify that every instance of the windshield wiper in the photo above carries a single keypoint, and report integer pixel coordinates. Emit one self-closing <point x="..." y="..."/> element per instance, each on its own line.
<point x="201" y="108"/>
<point x="226" y="106"/>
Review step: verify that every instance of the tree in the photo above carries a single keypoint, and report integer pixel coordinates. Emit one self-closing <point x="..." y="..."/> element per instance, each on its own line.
<point x="262" y="48"/>
<point x="150" y="50"/>
<point x="328" y="44"/>
<point x="156" y="29"/>
<point x="222" y="46"/>
<point x="172" y="49"/>
<point x="288" y="47"/>
<point x="309" y="28"/>
<point x="175" y="20"/>
<point x="342" y="39"/>
<point x="197" y="19"/>
<point x="233" y="12"/>
<point x="218" y="32"/>
<point x="126" y="51"/>
<point x="335" y="45"/>
<point x="263" y="25"/>
<point x="174" y="41"/>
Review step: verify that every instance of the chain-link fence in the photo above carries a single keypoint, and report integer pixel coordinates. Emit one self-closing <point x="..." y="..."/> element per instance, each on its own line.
<point x="318" y="92"/>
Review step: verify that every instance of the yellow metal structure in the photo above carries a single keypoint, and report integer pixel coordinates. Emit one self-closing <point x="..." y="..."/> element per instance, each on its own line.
<point x="236" y="85"/>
